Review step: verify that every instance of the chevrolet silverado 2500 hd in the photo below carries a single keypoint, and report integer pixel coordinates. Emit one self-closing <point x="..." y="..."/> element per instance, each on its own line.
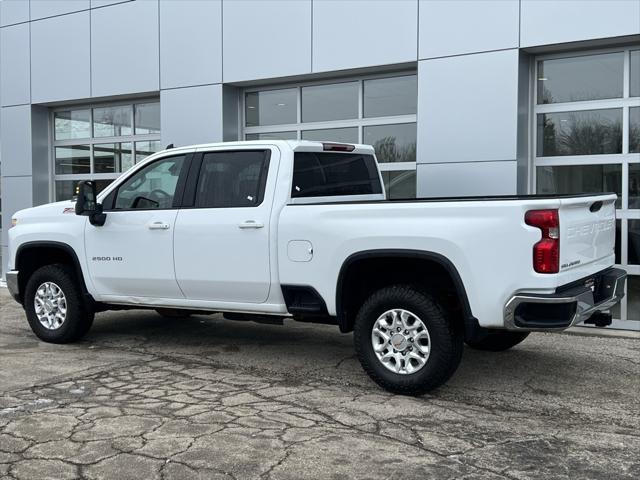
<point x="267" y="230"/>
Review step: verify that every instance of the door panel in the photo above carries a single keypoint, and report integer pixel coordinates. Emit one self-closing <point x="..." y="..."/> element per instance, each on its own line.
<point x="132" y="253"/>
<point x="222" y="244"/>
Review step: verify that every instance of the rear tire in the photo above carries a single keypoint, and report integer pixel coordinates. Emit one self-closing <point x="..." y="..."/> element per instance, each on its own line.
<point x="399" y="370"/>
<point x="55" y="307"/>
<point x="495" y="340"/>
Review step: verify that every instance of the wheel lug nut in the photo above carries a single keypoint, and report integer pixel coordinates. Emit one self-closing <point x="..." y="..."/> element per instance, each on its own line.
<point x="406" y="332"/>
<point x="411" y="340"/>
<point x="398" y="329"/>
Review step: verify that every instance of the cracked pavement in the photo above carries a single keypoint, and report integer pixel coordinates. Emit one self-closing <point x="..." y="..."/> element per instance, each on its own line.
<point x="145" y="397"/>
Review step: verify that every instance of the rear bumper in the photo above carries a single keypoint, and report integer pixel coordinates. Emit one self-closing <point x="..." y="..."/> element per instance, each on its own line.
<point x="12" y="284"/>
<point x="569" y="305"/>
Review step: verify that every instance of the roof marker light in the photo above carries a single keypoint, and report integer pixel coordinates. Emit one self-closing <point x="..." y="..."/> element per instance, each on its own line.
<point x="337" y="147"/>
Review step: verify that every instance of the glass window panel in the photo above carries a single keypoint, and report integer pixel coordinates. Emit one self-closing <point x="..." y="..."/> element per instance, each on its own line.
<point x="400" y="184"/>
<point x="571" y="179"/>
<point x="72" y="124"/>
<point x="633" y="297"/>
<point x="112" y="121"/>
<point x="587" y="132"/>
<point x="151" y="187"/>
<point x="272" y="136"/>
<point x="390" y="96"/>
<point x="633" y="236"/>
<point x="144" y="149"/>
<point x="338" y="101"/>
<point x="618" y="249"/>
<point x="634" y="66"/>
<point x="66" y="189"/>
<point x="588" y="77"/>
<point x="75" y="159"/>
<point x="112" y="157"/>
<point x="393" y="143"/>
<point x="634" y="185"/>
<point x="147" y="118"/>
<point x="271" y="107"/>
<point x="232" y="179"/>
<point x="325" y="174"/>
<point x="344" y="135"/>
<point x="634" y="129"/>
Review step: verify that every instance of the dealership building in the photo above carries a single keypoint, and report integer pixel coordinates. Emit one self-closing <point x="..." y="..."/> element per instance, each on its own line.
<point x="459" y="97"/>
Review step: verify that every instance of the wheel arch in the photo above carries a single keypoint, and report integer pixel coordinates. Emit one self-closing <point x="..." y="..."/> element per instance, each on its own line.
<point x="32" y="255"/>
<point x="437" y="262"/>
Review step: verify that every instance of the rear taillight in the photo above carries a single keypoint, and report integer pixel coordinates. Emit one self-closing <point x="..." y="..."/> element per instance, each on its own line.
<point x="546" y="253"/>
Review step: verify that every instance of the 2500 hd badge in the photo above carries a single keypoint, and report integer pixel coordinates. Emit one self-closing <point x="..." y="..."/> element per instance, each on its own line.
<point x="107" y="259"/>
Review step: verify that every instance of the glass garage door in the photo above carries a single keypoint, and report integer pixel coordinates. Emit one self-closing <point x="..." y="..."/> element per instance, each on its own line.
<point x="377" y="110"/>
<point x="587" y="139"/>
<point x="99" y="142"/>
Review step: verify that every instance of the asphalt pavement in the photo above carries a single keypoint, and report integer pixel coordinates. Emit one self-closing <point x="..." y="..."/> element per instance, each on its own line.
<point x="145" y="397"/>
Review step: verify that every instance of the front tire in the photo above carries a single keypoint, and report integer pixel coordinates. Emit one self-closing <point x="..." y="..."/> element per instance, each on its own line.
<point x="495" y="340"/>
<point x="55" y="307"/>
<point x="405" y="342"/>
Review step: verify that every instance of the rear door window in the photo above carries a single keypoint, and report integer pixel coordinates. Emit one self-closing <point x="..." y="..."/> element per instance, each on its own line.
<point x="329" y="174"/>
<point x="232" y="179"/>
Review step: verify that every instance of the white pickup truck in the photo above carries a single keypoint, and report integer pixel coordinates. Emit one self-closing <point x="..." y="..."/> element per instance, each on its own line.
<point x="268" y="230"/>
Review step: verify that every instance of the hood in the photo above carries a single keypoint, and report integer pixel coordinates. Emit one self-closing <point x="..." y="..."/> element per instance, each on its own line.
<point x="66" y="207"/>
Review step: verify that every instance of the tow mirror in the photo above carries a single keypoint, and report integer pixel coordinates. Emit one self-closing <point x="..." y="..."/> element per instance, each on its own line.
<point x="87" y="204"/>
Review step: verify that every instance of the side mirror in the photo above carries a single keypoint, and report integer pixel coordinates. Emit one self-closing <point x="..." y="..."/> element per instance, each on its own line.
<point x="87" y="204"/>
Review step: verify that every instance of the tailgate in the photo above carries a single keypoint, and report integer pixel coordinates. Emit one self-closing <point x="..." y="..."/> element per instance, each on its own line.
<point x="587" y="230"/>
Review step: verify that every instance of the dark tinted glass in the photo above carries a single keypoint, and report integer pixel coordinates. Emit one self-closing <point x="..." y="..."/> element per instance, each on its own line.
<point x="152" y="187"/>
<point x="586" y="132"/>
<point x="75" y="159"/>
<point x="390" y="96"/>
<point x="340" y="135"/>
<point x="634" y="185"/>
<point x="400" y="184"/>
<point x="232" y="179"/>
<point x="327" y="174"/>
<point x="634" y="129"/>
<point x="393" y="143"/>
<point x="580" y="179"/>
<point x="633" y="235"/>
<point x="271" y="107"/>
<point x="634" y="67"/>
<point x="338" y="101"/>
<point x="589" y="77"/>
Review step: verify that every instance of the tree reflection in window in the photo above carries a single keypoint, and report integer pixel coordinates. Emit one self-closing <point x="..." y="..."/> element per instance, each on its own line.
<point x="387" y="150"/>
<point x="589" y="132"/>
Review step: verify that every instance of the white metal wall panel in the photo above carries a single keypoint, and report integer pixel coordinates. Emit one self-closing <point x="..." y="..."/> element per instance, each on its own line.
<point x="266" y="39"/>
<point x="12" y="12"/>
<point x="467" y="179"/>
<point x="125" y="49"/>
<point x="546" y="23"/>
<point x="190" y="43"/>
<point x="17" y="193"/>
<point x="50" y="8"/>
<point x="14" y="65"/>
<point x="15" y="147"/>
<point x="61" y="58"/>
<point x="467" y="26"/>
<point x="352" y="33"/>
<point x="468" y="107"/>
<point x="191" y="115"/>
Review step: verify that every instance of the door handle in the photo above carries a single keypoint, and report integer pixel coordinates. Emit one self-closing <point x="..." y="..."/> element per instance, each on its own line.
<point x="250" y="224"/>
<point x="158" y="226"/>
